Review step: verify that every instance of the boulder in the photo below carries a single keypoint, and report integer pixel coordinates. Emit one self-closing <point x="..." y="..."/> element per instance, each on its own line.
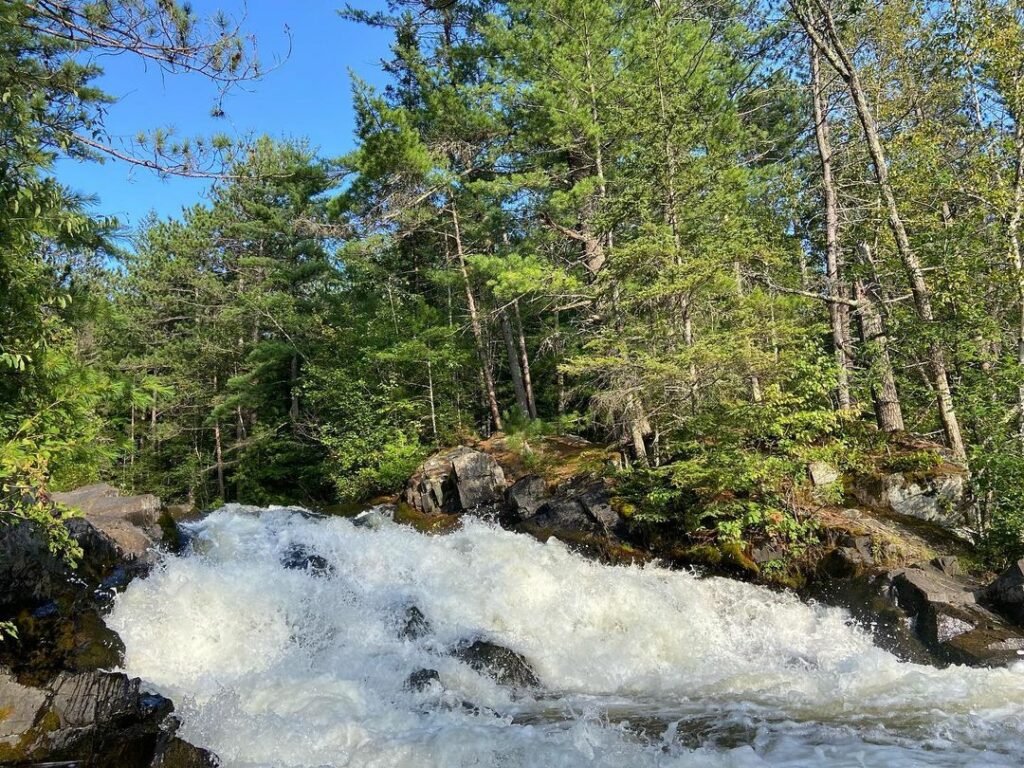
<point x="100" y="718"/>
<point x="131" y="522"/>
<point x="414" y="624"/>
<point x="1006" y="593"/>
<point x="596" y="502"/>
<point x="505" y="666"/>
<point x="948" y="619"/>
<point x="822" y="473"/>
<point x="524" y="497"/>
<point x="454" y="481"/>
<point x="941" y="497"/>
<point x="564" y="515"/>
<point x="300" y="558"/>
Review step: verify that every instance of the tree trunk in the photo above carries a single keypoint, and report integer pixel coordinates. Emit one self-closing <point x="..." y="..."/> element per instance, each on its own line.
<point x="832" y="48"/>
<point x="888" y="411"/>
<point x="293" y="410"/>
<point x="525" y="360"/>
<point x="755" y="382"/>
<point x="1017" y="259"/>
<point x="478" y="333"/>
<point x="430" y="392"/>
<point x="833" y="253"/>
<point x="218" y="451"/>
<point x="513" y="365"/>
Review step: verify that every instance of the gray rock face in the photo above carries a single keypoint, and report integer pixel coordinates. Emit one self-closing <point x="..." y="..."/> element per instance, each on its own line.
<point x="505" y="666"/>
<point x="949" y="620"/>
<point x="525" y="496"/>
<point x="457" y="480"/>
<point x="822" y="473"/>
<point x="1007" y="592"/>
<point x="940" y="498"/>
<point x="129" y="521"/>
<point x="101" y="718"/>
<point x="596" y="502"/>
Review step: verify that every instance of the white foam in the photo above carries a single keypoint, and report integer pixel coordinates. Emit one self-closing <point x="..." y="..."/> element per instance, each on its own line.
<point x="278" y="667"/>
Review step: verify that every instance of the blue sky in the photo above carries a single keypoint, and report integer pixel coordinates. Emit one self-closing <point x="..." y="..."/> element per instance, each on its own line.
<point x="307" y="96"/>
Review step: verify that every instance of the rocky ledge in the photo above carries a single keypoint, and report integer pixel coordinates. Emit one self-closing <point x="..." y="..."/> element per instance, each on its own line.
<point x="916" y="602"/>
<point x="59" y="702"/>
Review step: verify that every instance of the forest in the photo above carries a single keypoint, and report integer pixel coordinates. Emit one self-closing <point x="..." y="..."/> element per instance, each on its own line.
<point x="728" y="237"/>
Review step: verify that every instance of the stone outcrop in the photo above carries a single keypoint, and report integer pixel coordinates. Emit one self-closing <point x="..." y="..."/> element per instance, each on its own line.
<point x="524" y="497"/>
<point x="58" y="704"/>
<point x="99" y="718"/>
<point x="948" y="616"/>
<point x="458" y="480"/>
<point x="1006" y="593"/>
<point x="939" y="496"/>
<point x="131" y="522"/>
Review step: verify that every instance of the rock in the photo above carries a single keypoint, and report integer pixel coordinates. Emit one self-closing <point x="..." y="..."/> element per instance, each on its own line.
<point x="421" y="679"/>
<point x="30" y="574"/>
<point x="950" y="622"/>
<point x="564" y="515"/>
<point x="505" y="666"/>
<point x="940" y="498"/>
<point x="371" y="518"/>
<point x="102" y="718"/>
<point x="1006" y="593"/>
<point x="596" y="502"/>
<point x="917" y="587"/>
<point x="178" y="753"/>
<point x="525" y="497"/>
<point x="130" y="521"/>
<point x="414" y="624"/>
<point x="453" y="481"/>
<point x="948" y="564"/>
<point x="297" y="557"/>
<point x="822" y="473"/>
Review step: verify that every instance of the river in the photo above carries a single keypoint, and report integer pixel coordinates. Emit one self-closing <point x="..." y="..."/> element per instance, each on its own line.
<point x="639" y="666"/>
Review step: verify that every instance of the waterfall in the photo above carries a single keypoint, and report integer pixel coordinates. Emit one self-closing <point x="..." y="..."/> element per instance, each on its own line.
<point x="638" y="666"/>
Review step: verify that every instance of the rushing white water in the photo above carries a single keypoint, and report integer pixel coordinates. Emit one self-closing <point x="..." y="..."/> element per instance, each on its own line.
<point x="272" y="666"/>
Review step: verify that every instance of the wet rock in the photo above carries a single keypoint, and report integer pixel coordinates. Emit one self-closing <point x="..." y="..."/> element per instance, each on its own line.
<point x="1006" y="593"/>
<point x="948" y="619"/>
<point x="178" y="753"/>
<point x="525" y="497"/>
<point x="851" y="556"/>
<point x="299" y="558"/>
<point x="564" y="514"/>
<point x="414" y="624"/>
<point x="456" y="480"/>
<point x="421" y="679"/>
<point x="502" y="664"/>
<point x="371" y="518"/>
<point x="101" y="718"/>
<point x="822" y="473"/>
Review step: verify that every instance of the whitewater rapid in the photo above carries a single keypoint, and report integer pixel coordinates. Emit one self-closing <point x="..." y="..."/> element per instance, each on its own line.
<point x="272" y="666"/>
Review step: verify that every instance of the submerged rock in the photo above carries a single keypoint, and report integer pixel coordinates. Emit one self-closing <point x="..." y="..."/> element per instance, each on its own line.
<point x="414" y="624"/>
<point x="299" y="558"/>
<point x="502" y="664"/>
<point x="421" y="679"/>
<point x="456" y="480"/>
